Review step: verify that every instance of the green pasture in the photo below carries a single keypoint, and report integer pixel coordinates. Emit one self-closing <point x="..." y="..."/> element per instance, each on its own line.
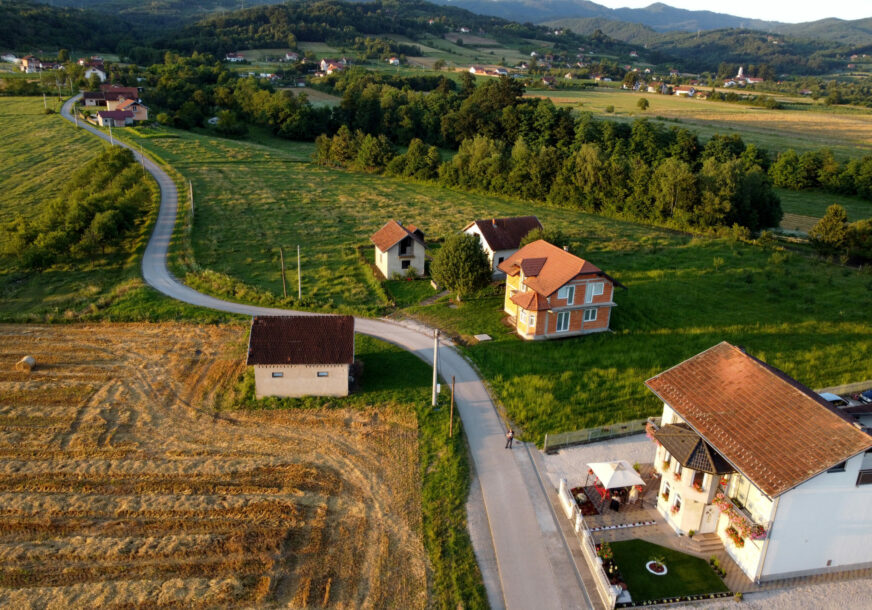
<point x="815" y="204"/>
<point x="38" y="152"/>
<point x="684" y="294"/>
<point x="848" y="132"/>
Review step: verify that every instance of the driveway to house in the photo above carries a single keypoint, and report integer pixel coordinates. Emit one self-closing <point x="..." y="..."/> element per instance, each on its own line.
<point x="534" y="568"/>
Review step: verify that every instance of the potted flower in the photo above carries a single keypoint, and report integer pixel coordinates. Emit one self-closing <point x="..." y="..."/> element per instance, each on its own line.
<point x="677" y="476"/>
<point x="656" y="565"/>
<point x="758" y="532"/>
<point x="697" y="485"/>
<point x="674" y="510"/>
<point x="733" y="533"/>
<point x="605" y="551"/>
<point x="665" y="496"/>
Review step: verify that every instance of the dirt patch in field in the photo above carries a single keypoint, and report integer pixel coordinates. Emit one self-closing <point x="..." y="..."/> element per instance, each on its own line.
<point x="121" y="486"/>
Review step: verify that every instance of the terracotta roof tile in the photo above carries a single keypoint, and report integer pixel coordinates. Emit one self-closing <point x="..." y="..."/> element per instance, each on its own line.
<point x="115" y="114"/>
<point x="505" y="233"/>
<point x="774" y="430"/>
<point x="531" y="267"/>
<point x="386" y="237"/>
<point x="301" y="340"/>
<point x="530" y="300"/>
<point x="559" y="267"/>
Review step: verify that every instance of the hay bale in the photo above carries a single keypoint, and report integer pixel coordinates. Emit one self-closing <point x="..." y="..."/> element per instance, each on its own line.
<point x="28" y="363"/>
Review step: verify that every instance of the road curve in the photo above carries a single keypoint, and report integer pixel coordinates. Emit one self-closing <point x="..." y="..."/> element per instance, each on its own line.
<point x="528" y="568"/>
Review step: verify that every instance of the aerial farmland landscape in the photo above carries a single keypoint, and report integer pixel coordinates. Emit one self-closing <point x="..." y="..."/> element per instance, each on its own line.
<point x="434" y="305"/>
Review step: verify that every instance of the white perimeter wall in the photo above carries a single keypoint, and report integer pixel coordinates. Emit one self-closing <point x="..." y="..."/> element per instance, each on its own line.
<point x="825" y="519"/>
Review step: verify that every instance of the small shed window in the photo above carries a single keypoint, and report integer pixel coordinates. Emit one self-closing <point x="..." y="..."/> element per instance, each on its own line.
<point x="278" y="374"/>
<point x="405" y="264"/>
<point x="323" y="373"/>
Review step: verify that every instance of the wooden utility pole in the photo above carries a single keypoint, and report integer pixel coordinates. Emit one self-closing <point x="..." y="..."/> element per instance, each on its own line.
<point x="111" y="140"/>
<point x="451" y="415"/>
<point x="44" y="103"/>
<point x="435" y="363"/>
<point x="299" y="276"/>
<point x="284" y="285"/>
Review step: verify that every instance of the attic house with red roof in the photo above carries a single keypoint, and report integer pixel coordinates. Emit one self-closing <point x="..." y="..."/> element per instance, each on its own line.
<point x="551" y="293"/>
<point x="301" y="355"/>
<point x="755" y="461"/>
<point x="399" y="249"/>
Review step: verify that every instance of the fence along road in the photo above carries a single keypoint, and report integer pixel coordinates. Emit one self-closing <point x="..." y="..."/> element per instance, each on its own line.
<point x="528" y="569"/>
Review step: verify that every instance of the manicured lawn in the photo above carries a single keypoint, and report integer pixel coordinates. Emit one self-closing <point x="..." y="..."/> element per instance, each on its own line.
<point x="395" y="379"/>
<point x="686" y="575"/>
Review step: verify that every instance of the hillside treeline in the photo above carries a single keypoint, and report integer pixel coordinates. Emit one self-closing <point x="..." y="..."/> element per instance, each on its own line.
<point x="26" y="25"/>
<point x="640" y="173"/>
<point x="101" y="205"/>
<point x="819" y="169"/>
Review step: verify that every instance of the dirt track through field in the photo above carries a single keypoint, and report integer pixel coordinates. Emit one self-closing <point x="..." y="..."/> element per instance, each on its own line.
<point x="120" y="486"/>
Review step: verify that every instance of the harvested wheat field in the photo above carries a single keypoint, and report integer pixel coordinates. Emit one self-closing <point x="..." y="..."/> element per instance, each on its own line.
<point x="121" y="486"/>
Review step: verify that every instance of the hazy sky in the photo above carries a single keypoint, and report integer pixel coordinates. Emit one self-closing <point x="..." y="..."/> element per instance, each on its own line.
<point x="789" y="11"/>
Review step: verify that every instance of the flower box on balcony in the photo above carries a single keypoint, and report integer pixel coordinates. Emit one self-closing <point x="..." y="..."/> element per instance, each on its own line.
<point x="733" y="533"/>
<point x="697" y="486"/>
<point x="677" y="476"/>
<point x="665" y="496"/>
<point x="674" y="510"/>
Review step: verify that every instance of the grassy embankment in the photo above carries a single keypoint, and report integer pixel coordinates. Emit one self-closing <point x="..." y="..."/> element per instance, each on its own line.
<point x="38" y="152"/>
<point x="798" y="313"/>
<point x="395" y="379"/>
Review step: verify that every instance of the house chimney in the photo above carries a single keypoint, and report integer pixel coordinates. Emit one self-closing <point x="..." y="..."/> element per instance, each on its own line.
<point x="494" y="221"/>
<point x="566" y="248"/>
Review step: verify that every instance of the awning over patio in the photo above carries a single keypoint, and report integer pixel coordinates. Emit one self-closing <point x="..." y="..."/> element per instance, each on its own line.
<point x="615" y="474"/>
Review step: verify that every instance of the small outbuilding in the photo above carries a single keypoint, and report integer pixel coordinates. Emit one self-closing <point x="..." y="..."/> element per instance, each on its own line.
<point x="301" y="355"/>
<point x="399" y="249"/>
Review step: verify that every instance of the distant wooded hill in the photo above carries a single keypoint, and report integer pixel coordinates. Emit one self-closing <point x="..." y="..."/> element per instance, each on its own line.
<point x="660" y="17"/>
<point x="25" y="26"/>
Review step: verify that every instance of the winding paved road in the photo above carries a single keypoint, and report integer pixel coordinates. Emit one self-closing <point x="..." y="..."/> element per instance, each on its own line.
<point x="534" y="567"/>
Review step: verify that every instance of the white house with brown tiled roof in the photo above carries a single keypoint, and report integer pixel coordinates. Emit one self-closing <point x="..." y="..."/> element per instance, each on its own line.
<point x="501" y="237"/>
<point x="754" y="459"/>
<point x="301" y="355"/>
<point x="551" y="293"/>
<point x="399" y="249"/>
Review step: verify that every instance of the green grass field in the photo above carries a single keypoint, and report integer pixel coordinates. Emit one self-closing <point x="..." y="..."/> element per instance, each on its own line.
<point x="847" y="131"/>
<point x="685" y="575"/>
<point x="38" y="152"/>
<point x="684" y="294"/>
<point x="815" y="204"/>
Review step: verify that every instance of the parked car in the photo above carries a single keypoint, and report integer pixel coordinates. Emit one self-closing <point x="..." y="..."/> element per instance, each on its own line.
<point x="866" y="397"/>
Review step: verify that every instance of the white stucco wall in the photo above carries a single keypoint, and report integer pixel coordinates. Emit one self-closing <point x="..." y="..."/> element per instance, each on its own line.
<point x="301" y="380"/>
<point x="494" y="257"/>
<point x="390" y="262"/>
<point x="826" y="519"/>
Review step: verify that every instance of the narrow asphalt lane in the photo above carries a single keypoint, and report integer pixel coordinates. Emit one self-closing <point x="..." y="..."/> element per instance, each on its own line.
<point x="531" y="573"/>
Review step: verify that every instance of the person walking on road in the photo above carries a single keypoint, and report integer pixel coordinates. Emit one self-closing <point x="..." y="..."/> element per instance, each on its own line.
<point x="509" y="436"/>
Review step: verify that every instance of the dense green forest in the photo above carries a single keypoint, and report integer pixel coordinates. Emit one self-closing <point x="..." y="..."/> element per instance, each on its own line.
<point x="29" y="26"/>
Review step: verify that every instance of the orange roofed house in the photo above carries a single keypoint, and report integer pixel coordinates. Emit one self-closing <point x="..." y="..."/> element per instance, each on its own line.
<point x="399" y="249"/>
<point x="755" y="461"/>
<point x="551" y="293"/>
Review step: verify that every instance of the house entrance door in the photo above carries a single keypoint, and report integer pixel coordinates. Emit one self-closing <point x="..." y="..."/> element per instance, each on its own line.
<point x="709" y="520"/>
